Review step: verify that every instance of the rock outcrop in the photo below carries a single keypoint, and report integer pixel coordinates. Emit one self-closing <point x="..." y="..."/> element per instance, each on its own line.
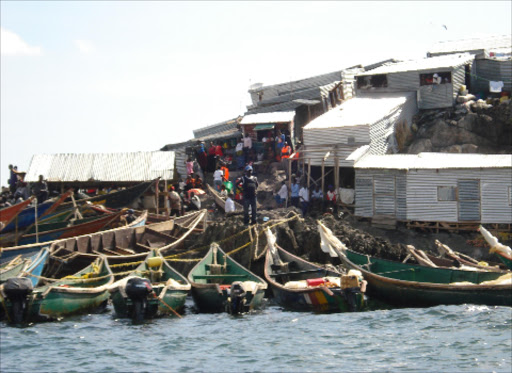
<point x="469" y="127"/>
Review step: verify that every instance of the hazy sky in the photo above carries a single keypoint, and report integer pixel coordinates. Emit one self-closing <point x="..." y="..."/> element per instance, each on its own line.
<point x="97" y="76"/>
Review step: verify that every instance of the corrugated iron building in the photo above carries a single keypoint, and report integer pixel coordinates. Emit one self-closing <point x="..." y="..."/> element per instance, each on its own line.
<point x="368" y="120"/>
<point x="493" y="60"/>
<point x="435" y="187"/>
<point x="101" y="168"/>
<point x="419" y="76"/>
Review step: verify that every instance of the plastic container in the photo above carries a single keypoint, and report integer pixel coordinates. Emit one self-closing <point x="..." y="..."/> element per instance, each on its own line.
<point x="315" y="281"/>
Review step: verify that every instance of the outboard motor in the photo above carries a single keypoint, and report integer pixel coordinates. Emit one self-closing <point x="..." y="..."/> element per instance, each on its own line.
<point x="138" y="289"/>
<point x="236" y="300"/>
<point x="17" y="289"/>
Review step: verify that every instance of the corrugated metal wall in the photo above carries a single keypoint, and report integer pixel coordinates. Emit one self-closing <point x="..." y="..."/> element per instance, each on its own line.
<point x="364" y="195"/>
<point x="469" y="200"/>
<point x="486" y="69"/>
<point x="384" y="195"/>
<point x="417" y="199"/>
<point x="429" y="97"/>
<point x="322" y="139"/>
<point x="401" y="196"/>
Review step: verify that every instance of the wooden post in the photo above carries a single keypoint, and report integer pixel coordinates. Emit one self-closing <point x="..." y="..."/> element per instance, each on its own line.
<point x="37" y="222"/>
<point x="157" y="195"/>
<point x="16" y="232"/>
<point x="309" y="172"/>
<point x="336" y="175"/>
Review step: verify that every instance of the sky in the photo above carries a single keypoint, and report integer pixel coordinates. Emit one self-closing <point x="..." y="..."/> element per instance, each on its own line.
<point x="123" y="76"/>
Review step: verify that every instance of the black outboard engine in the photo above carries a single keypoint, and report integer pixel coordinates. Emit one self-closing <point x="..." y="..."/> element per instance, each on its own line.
<point x="17" y="289"/>
<point x="236" y="300"/>
<point x="138" y="289"/>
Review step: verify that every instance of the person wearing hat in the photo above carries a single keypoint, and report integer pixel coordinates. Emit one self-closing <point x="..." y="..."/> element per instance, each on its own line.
<point x="249" y="184"/>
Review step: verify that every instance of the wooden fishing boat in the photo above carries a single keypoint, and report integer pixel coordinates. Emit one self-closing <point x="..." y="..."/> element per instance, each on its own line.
<point x="453" y="261"/>
<point x="125" y="248"/>
<point x="223" y="287"/>
<point x="27" y="216"/>
<point x="8" y="214"/>
<point x="414" y="285"/>
<point x="116" y="200"/>
<point x="221" y="200"/>
<point x="153" y="289"/>
<point x="299" y="285"/>
<point x="507" y="260"/>
<point x="8" y="253"/>
<point x="54" y="231"/>
<point x="504" y="252"/>
<point x="31" y="267"/>
<point x="86" y="291"/>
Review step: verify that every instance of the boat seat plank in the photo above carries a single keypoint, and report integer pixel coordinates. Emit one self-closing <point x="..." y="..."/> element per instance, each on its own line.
<point x="206" y="277"/>
<point x="161" y="234"/>
<point x="107" y="251"/>
<point x="139" y="245"/>
<point x="125" y="250"/>
<point x="298" y="272"/>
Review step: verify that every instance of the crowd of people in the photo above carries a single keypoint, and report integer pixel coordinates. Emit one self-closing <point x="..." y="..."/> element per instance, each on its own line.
<point x="19" y="190"/>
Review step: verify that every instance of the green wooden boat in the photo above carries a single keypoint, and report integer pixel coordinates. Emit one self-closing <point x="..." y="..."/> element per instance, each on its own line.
<point x="221" y="284"/>
<point x="505" y="259"/>
<point x="153" y="289"/>
<point x="299" y="285"/>
<point x="414" y="285"/>
<point x="86" y="291"/>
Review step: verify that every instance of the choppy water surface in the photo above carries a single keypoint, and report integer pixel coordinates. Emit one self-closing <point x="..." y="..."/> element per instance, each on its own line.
<point x="445" y="338"/>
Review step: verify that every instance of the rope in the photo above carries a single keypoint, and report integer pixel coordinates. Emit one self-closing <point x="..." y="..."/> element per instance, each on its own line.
<point x="174" y="257"/>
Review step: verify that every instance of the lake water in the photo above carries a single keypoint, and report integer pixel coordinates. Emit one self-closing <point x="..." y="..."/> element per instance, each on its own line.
<point x="439" y="339"/>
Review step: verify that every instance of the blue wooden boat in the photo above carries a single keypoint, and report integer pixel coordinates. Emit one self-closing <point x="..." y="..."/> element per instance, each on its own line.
<point x="31" y="267"/>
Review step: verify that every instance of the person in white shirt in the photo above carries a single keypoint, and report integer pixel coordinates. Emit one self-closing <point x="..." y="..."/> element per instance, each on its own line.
<point x="304" y="199"/>
<point x="217" y="178"/>
<point x="229" y="206"/>
<point x="282" y="195"/>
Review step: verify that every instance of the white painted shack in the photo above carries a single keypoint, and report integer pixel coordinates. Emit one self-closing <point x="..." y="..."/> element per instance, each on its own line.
<point x="357" y="122"/>
<point x="435" y="187"/>
<point x="436" y="80"/>
<point x="493" y="60"/>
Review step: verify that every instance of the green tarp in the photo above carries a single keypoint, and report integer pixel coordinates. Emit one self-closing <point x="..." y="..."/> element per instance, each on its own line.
<point x="263" y="127"/>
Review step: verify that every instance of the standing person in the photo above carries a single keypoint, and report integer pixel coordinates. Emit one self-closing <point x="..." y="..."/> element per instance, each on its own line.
<point x="175" y="199"/>
<point x="282" y="195"/>
<point x="217" y="179"/>
<point x="331" y="198"/>
<point x="40" y="190"/>
<point x="190" y="166"/>
<point x="225" y="172"/>
<point x="229" y="206"/>
<point x="13" y="178"/>
<point x="211" y="158"/>
<point x="202" y="158"/>
<point x="249" y="184"/>
<point x="304" y="198"/>
<point x="317" y="197"/>
<point x="247" y="145"/>
<point x="295" y="193"/>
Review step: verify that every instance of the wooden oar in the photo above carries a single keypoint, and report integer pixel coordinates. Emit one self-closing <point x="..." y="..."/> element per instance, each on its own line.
<point x="165" y="304"/>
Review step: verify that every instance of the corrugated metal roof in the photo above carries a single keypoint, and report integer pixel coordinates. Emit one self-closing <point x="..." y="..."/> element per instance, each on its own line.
<point x="466" y="45"/>
<point x="285" y="106"/>
<point x="358" y="111"/>
<point x="435" y="161"/>
<point x="216" y="128"/>
<point x="234" y="132"/>
<point x="274" y="117"/>
<point x="445" y="61"/>
<point x="102" y="167"/>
